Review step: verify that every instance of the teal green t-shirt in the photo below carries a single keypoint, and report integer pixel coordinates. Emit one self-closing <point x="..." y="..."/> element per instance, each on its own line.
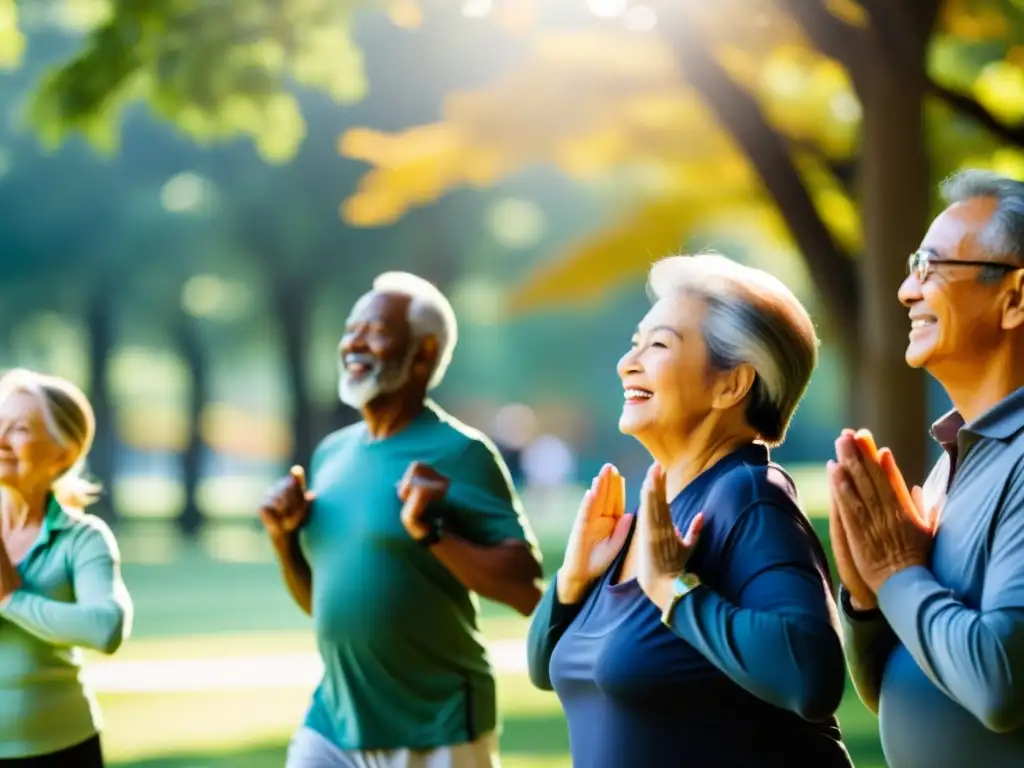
<point x="405" y="662"/>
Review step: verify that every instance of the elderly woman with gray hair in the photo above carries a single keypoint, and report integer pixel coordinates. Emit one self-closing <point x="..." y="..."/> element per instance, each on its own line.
<point x="719" y="647"/>
<point x="60" y="583"/>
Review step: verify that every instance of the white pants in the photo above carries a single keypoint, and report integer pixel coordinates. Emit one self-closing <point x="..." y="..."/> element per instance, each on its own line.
<point x="308" y="749"/>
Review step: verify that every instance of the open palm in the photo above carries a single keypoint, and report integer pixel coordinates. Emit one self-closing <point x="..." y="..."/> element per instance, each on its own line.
<point x="598" y="533"/>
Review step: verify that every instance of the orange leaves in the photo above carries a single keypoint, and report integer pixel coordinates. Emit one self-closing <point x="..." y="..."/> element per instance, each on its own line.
<point x="586" y="103"/>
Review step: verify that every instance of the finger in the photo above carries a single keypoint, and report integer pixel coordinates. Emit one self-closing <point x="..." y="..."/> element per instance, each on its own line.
<point x="621" y="530"/>
<point x="855" y="471"/>
<point x="927" y="515"/>
<point x="604" y="490"/>
<point x="917" y="494"/>
<point x="849" y="503"/>
<point x="299" y="475"/>
<point x="619" y="505"/>
<point x="585" y="505"/>
<point x="269" y="520"/>
<point x="662" y="513"/>
<point x="693" y="532"/>
<point x="866" y="442"/>
<point x="310" y="496"/>
<point x="898" y="486"/>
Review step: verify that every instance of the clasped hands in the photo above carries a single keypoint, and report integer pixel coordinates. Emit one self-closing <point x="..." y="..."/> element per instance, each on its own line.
<point x="285" y="508"/>
<point x="876" y="526"/>
<point x="602" y="526"/>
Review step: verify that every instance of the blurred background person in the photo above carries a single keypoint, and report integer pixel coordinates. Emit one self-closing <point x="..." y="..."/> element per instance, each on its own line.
<point x="60" y="582"/>
<point x="408" y="516"/>
<point x="720" y="648"/>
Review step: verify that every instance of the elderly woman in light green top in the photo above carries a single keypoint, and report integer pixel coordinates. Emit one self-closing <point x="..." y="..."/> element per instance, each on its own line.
<point x="60" y="582"/>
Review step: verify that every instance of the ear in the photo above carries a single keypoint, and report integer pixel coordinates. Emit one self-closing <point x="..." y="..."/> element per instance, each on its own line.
<point x="1013" y="311"/>
<point x="427" y="353"/>
<point x="63" y="461"/>
<point x="733" y="386"/>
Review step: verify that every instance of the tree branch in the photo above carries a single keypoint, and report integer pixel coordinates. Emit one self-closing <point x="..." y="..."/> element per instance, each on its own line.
<point x="965" y="105"/>
<point x="830" y="35"/>
<point x="831" y="268"/>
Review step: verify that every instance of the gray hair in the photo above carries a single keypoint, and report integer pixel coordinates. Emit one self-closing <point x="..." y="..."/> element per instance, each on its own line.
<point x="751" y="317"/>
<point x="1004" y="234"/>
<point x="430" y="314"/>
<point x="69" y="420"/>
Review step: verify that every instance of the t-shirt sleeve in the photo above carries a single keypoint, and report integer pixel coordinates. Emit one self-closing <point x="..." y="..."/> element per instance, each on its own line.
<point x="482" y="504"/>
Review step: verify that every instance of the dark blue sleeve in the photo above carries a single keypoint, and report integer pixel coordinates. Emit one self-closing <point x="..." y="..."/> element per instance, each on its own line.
<point x="770" y="623"/>
<point x="547" y="626"/>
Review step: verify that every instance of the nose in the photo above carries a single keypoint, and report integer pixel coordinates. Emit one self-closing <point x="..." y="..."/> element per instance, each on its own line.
<point x="629" y="363"/>
<point x="910" y="290"/>
<point x="352" y="341"/>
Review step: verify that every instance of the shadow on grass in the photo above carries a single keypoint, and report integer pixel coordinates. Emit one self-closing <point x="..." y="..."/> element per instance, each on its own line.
<point x="265" y="756"/>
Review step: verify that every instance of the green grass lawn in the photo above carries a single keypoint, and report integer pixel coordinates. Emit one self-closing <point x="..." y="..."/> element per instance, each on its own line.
<point x="198" y="607"/>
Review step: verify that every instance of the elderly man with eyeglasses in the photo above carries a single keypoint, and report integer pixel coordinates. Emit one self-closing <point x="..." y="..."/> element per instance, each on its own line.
<point x="932" y="589"/>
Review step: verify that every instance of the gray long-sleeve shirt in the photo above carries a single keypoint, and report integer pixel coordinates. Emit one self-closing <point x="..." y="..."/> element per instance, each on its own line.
<point x="942" y="660"/>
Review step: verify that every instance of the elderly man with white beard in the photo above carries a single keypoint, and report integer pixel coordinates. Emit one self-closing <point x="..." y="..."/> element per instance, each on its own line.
<point x="407" y="516"/>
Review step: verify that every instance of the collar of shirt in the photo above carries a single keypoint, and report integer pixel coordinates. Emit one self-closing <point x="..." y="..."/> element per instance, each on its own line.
<point x="55" y="520"/>
<point x="1000" y="422"/>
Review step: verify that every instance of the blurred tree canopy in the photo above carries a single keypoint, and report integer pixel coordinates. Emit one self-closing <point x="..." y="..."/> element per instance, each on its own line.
<point x="818" y="123"/>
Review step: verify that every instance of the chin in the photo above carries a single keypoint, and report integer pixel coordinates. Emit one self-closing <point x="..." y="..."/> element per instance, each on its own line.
<point x="917" y="358"/>
<point x="628" y="426"/>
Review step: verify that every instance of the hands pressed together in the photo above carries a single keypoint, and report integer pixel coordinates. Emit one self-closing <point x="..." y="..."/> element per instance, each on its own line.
<point x="602" y="526"/>
<point x="286" y="506"/>
<point x="877" y="527"/>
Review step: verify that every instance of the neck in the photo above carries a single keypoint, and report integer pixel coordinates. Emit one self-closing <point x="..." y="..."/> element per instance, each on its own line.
<point x="21" y="509"/>
<point x="698" y="451"/>
<point x="975" y="389"/>
<point x="389" y="414"/>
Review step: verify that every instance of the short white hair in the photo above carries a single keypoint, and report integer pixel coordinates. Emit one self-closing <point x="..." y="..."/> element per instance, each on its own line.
<point x="430" y="314"/>
<point x="752" y="318"/>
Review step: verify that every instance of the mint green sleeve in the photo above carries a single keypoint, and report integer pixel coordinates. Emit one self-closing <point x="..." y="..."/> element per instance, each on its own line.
<point x="482" y="505"/>
<point x="100" y="618"/>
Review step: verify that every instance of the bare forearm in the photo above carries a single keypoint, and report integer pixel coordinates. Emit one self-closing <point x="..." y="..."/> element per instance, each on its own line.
<point x="296" y="573"/>
<point x="507" y="573"/>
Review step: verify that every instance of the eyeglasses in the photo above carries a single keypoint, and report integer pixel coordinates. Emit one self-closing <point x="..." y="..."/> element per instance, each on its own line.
<point x="920" y="263"/>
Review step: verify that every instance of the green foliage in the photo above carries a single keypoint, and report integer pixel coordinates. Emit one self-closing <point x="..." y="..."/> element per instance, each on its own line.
<point x="214" y="68"/>
<point x="12" y="42"/>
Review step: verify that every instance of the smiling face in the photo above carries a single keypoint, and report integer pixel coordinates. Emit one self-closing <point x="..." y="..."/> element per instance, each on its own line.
<point x="30" y="457"/>
<point x="665" y="374"/>
<point x="378" y="351"/>
<point x="955" y="317"/>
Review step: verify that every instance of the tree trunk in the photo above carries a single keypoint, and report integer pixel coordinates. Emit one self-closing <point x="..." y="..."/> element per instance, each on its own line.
<point x="293" y="313"/>
<point x="99" y="317"/>
<point x="189" y="342"/>
<point x="895" y="184"/>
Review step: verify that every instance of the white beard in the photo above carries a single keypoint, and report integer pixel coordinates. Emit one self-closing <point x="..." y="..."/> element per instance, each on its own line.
<point x="382" y="380"/>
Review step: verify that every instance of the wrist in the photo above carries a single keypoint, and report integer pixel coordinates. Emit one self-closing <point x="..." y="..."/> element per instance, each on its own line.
<point x="862" y="604"/>
<point x="286" y="545"/>
<point x="863" y="607"/>
<point x="569" y="590"/>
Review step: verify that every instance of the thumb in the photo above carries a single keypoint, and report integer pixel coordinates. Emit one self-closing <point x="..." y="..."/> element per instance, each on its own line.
<point x="621" y="530"/>
<point x="299" y="474"/>
<point x="693" y="532"/>
<point x="917" y="494"/>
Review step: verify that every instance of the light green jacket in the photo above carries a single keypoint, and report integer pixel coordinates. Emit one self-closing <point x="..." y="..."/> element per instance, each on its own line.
<point x="72" y="597"/>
